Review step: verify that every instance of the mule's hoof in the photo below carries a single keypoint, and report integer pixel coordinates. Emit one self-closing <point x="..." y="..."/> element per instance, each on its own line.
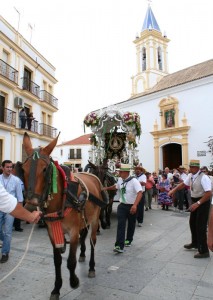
<point x="108" y="227"/>
<point x="91" y="274"/>
<point x="54" y="297"/>
<point x="81" y="259"/>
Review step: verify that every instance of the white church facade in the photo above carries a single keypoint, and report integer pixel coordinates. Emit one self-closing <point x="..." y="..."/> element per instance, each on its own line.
<point x="175" y="109"/>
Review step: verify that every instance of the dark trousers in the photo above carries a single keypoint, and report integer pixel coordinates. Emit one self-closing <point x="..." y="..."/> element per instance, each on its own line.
<point x="17" y="223"/>
<point x="140" y="210"/>
<point x="179" y="195"/>
<point x="198" y="225"/>
<point x="123" y="215"/>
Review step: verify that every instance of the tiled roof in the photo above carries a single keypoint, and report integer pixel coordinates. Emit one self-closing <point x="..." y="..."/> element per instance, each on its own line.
<point x="192" y="73"/>
<point x="81" y="140"/>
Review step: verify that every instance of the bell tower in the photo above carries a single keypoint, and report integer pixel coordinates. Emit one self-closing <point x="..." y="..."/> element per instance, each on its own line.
<point x="151" y="55"/>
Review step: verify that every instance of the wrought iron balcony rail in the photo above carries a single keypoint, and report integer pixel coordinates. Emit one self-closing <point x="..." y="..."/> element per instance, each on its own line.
<point x="8" y="116"/>
<point x="8" y="72"/>
<point x="31" y="86"/>
<point x="47" y="97"/>
<point x="75" y="156"/>
<point x="48" y="130"/>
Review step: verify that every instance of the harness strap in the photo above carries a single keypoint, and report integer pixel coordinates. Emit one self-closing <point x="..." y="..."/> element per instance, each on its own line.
<point x="96" y="200"/>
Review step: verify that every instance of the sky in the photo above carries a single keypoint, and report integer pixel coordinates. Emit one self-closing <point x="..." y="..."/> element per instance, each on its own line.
<point x="90" y="43"/>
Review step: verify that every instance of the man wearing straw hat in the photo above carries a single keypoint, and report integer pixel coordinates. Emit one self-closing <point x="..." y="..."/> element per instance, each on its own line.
<point x="200" y="186"/>
<point x="130" y="195"/>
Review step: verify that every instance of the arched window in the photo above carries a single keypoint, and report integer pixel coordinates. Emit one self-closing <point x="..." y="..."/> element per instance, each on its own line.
<point x="143" y="59"/>
<point x="160" y="65"/>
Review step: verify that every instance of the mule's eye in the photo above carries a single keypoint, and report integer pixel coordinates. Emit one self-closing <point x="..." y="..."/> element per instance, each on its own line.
<point x="44" y="170"/>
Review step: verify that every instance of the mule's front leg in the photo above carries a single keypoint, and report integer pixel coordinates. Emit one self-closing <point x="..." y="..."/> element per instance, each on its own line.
<point x="71" y="262"/>
<point x="58" y="279"/>
<point x="83" y="235"/>
<point x="91" y="273"/>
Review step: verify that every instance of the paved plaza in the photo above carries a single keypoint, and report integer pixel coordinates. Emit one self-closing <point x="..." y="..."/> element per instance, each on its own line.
<point x="156" y="266"/>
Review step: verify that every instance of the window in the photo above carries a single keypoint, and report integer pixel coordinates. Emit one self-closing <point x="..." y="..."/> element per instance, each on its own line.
<point x="72" y="154"/>
<point x="2" y="107"/>
<point x="160" y="65"/>
<point x="78" y="153"/>
<point x="143" y="59"/>
<point x="27" y="80"/>
<point x="61" y="152"/>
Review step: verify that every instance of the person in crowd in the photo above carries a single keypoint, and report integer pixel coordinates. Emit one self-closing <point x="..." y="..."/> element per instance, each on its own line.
<point x="17" y="221"/>
<point x="164" y="187"/>
<point x="130" y="196"/>
<point x="23" y="118"/>
<point x="155" y="190"/>
<point x="200" y="186"/>
<point x="30" y="118"/>
<point x="12" y="185"/>
<point x="148" y="190"/>
<point x="210" y="229"/>
<point x="9" y="205"/>
<point x="169" y="174"/>
<point x="180" y="194"/>
<point x="141" y="177"/>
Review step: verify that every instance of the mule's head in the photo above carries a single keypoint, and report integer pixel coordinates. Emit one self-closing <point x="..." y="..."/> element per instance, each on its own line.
<point x="37" y="171"/>
<point x="99" y="171"/>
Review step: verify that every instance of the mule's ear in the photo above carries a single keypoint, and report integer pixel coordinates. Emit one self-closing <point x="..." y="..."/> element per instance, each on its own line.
<point x="92" y="165"/>
<point x="27" y="143"/>
<point x="49" y="148"/>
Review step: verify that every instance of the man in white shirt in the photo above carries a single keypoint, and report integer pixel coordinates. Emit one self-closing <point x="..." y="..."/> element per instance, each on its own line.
<point x="131" y="192"/>
<point x="8" y="204"/>
<point x="169" y="174"/>
<point x="201" y="193"/>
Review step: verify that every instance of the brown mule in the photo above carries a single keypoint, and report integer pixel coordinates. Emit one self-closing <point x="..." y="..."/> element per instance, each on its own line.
<point x="46" y="188"/>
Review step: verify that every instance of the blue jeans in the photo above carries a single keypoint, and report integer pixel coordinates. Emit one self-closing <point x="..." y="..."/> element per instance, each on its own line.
<point x="6" y="228"/>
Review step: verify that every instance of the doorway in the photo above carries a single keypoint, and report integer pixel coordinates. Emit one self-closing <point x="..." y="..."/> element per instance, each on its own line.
<point x="172" y="156"/>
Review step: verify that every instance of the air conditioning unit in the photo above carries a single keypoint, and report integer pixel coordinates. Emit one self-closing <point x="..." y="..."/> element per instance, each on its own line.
<point x="18" y="102"/>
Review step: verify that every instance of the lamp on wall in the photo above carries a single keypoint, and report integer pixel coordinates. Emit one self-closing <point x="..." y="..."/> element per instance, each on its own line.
<point x="160" y="113"/>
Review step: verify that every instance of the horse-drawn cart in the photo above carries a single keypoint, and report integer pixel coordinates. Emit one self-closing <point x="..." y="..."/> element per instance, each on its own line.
<point x="114" y="137"/>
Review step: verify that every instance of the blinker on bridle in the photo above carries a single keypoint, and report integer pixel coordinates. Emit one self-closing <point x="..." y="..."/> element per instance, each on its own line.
<point x="30" y="193"/>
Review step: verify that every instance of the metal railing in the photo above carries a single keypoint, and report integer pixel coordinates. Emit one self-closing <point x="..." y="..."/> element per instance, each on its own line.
<point x="8" y="71"/>
<point x="8" y="116"/>
<point x="47" y="97"/>
<point x="31" y="86"/>
<point x="48" y="130"/>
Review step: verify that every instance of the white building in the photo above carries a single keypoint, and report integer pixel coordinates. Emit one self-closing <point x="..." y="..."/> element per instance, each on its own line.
<point x="27" y="81"/>
<point x="74" y="153"/>
<point x="175" y="109"/>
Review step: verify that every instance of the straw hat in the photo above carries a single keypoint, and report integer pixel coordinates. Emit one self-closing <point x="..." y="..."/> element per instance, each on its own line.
<point x="194" y="163"/>
<point x="125" y="167"/>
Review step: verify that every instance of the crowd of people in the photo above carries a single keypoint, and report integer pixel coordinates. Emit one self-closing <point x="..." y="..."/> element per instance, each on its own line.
<point x="180" y="189"/>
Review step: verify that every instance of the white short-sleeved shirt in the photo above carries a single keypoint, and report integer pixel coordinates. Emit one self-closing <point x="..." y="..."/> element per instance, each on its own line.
<point x="7" y="201"/>
<point x="142" y="178"/>
<point x="205" y="181"/>
<point x="132" y="188"/>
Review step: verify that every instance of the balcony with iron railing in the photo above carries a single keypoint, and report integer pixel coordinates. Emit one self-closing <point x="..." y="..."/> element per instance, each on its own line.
<point x="48" y="130"/>
<point x="33" y="127"/>
<point x="8" y="117"/>
<point x="47" y="97"/>
<point x="75" y="156"/>
<point x="30" y="86"/>
<point x="8" y="71"/>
